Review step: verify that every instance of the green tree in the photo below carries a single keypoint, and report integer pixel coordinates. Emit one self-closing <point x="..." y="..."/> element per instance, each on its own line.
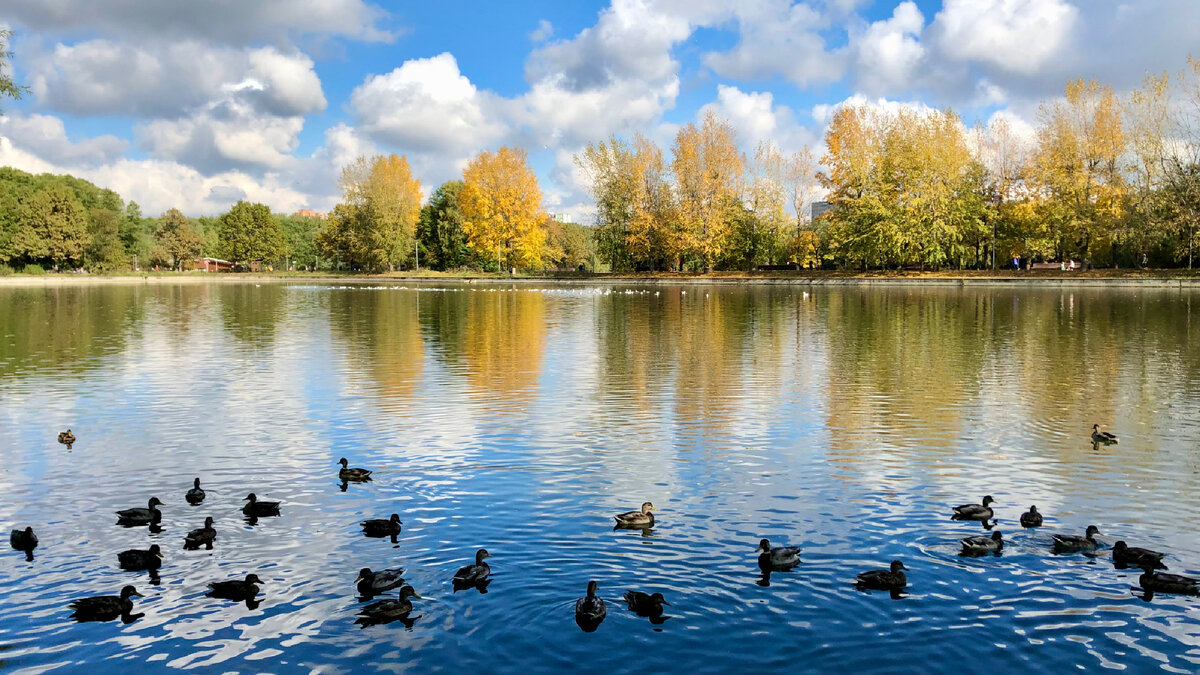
<point x="104" y="252"/>
<point x="179" y="241"/>
<point x="571" y="245"/>
<point x="52" y="227"/>
<point x="440" y="229"/>
<point x="300" y="234"/>
<point x="248" y="232"/>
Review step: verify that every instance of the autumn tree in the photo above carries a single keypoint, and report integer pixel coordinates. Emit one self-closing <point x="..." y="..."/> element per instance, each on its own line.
<point x="708" y="171"/>
<point x="502" y="212"/>
<point x="763" y="229"/>
<point x="387" y="200"/>
<point x="177" y="239"/>
<point x="248" y="232"/>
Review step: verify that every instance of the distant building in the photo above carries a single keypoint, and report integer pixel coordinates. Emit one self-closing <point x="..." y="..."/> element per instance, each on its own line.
<point x="820" y="208"/>
<point x="561" y="218"/>
<point x="309" y="213"/>
<point x="212" y="265"/>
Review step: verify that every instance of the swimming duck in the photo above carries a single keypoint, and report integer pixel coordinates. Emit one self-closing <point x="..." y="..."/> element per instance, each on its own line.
<point x="195" y="495"/>
<point x="144" y="516"/>
<point x="590" y="609"/>
<point x="384" y="611"/>
<point x="104" y="607"/>
<point x="1102" y="437"/>
<point x="370" y="583"/>
<point x="883" y="580"/>
<point x="1168" y="583"/>
<point x="1132" y="556"/>
<point x="640" y="518"/>
<point x="235" y="589"/>
<point x="202" y="536"/>
<point x="645" y="604"/>
<point x="136" y="559"/>
<point x="66" y="438"/>
<point x="470" y="574"/>
<point x="1069" y="543"/>
<point x="977" y="545"/>
<point x="347" y="473"/>
<point x="378" y="527"/>
<point x="974" y="511"/>
<point x="780" y="557"/>
<point x="1031" y="518"/>
<point x="23" y="540"/>
<point x="257" y="508"/>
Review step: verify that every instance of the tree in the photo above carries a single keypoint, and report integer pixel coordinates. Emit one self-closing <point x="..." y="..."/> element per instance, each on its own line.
<point x="440" y="229"/>
<point x="501" y="205"/>
<point x="248" y="232"/>
<point x="103" y="251"/>
<point x="53" y="226"/>
<point x="569" y="245"/>
<point x="8" y="87"/>
<point x="179" y="241"/>
<point x="299" y="235"/>
<point x="708" y="178"/>
<point x="388" y="201"/>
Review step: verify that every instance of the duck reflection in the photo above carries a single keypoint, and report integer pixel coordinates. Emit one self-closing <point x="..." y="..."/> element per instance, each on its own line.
<point x="480" y="585"/>
<point x="645" y="530"/>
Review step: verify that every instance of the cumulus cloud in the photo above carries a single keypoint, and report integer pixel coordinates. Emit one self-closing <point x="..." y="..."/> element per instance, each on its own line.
<point x="219" y="21"/>
<point x="543" y="32"/>
<point x="46" y="137"/>
<point x="757" y="118"/>
<point x="1013" y="35"/>
<point x="223" y="135"/>
<point x="777" y="37"/>
<point x="889" y="51"/>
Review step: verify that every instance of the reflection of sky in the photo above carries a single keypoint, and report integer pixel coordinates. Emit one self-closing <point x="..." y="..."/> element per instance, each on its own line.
<point x="806" y="429"/>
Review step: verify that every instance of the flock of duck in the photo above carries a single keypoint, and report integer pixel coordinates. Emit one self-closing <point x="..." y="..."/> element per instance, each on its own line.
<point x="590" y="610"/>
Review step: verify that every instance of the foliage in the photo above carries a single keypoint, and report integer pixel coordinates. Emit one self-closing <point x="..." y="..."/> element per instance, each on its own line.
<point x="103" y="251"/>
<point x="8" y="87"/>
<point x="708" y="180"/>
<point x="440" y="229"/>
<point x="501" y="205"/>
<point x="248" y="232"/>
<point x="54" y="227"/>
<point x="570" y="245"/>
<point x="179" y="241"/>
<point x="299" y="235"/>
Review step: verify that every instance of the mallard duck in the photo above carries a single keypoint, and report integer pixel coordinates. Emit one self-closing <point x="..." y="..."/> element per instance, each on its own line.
<point x="66" y="438"/>
<point x="136" y="559"/>
<point x="195" y="495"/>
<point x="348" y="474"/>
<point x="974" y="511"/>
<point x="104" y="607"/>
<point x="384" y="611"/>
<point x="378" y="527"/>
<point x="590" y="609"/>
<point x="237" y="589"/>
<point x="1102" y="437"/>
<point x="1031" y="518"/>
<point x="780" y="557"/>
<point x="202" y="536"/>
<point x="470" y="574"/>
<point x="145" y="516"/>
<point x="883" y="580"/>
<point x="23" y="540"/>
<point x="370" y="583"/>
<point x="640" y="518"/>
<point x="1069" y="543"/>
<point x="257" y="508"/>
<point x="976" y="545"/>
<point x="645" y="604"/>
<point x="1132" y="556"/>
<point x="1168" y="583"/>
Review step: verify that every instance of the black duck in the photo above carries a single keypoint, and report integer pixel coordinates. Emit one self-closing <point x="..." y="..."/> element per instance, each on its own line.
<point x="472" y="574"/>
<point x="590" y="610"/>
<point x="137" y="559"/>
<point x="373" y="582"/>
<point x="378" y="527"/>
<point x="202" y="536"/>
<point x="1102" y="437"/>
<point x="780" y="557"/>
<point x="1069" y="543"/>
<point x="348" y="474"/>
<point x="982" y="512"/>
<point x="23" y="540"/>
<point x="256" y="508"/>
<point x="883" y="580"/>
<point x="195" y="495"/>
<point x="1125" y="555"/>
<point x="645" y="604"/>
<point x="104" y="607"/>
<point x="145" y="516"/>
<point x="1158" y="582"/>
<point x="237" y="589"/>
<point x="385" y="611"/>
<point x="1031" y="518"/>
<point x="981" y="545"/>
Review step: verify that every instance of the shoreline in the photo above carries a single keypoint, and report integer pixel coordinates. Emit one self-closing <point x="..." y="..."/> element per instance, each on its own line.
<point x="1103" y="279"/>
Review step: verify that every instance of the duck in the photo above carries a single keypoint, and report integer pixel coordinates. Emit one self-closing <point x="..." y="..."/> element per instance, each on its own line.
<point x="645" y="604"/>
<point x="1132" y="556"/>
<point x="372" y="582"/>
<point x="1031" y="518"/>
<point x="1102" y="437"/>
<point x="1069" y="543"/>
<point x="139" y="516"/>
<point x="23" y="540"/>
<point x="257" y="508"/>
<point x="348" y="474"/>
<point x="1153" y="581"/>
<point x="137" y="559"/>
<point x="195" y="495"/>
<point x="590" y="608"/>
<point x="883" y="580"/>
<point x="104" y="607"/>
<point x="780" y="557"/>
<point x="384" y="611"/>
<point x="640" y="518"/>
<point x="975" y="511"/>
<point x="202" y="536"/>
<point x="977" y="545"/>
<point x="237" y="589"/>
<point x="470" y="574"/>
<point x="66" y="438"/>
<point x="378" y="527"/>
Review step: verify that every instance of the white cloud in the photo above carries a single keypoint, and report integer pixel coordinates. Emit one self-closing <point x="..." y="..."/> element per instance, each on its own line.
<point x="226" y="134"/>
<point x="543" y="32"/>
<point x="778" y="37"/>
<point x="757" y="118"/>
<point x="889" y="51"/>
<point x="823" y="113"/>
<point x="45" y="136"/>
<point x="1018" y="36"/>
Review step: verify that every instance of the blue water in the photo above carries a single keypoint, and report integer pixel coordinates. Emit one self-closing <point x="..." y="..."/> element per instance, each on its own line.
<point x="520" y="419"/>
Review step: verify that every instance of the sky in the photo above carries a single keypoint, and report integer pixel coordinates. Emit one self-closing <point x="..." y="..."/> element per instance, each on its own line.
<point x="195" y="104"/>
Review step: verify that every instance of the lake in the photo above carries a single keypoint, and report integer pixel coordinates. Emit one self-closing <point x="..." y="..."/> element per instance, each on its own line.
<point x="845" y="420"/>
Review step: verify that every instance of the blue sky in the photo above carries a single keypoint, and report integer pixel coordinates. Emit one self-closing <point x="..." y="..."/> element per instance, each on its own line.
<point x="196" y="104"/>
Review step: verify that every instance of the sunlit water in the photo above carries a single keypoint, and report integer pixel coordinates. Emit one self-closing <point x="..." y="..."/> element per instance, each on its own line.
<point x="520" y="419"/>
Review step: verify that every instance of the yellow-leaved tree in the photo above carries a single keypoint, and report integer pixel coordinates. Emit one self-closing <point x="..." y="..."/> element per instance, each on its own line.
<point x="501" y="205"/>
<point x="708" y="180"/>
<point x="375" y="225"/>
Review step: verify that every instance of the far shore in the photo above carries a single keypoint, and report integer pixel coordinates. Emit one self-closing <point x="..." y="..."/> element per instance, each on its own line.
<point x="1052" y="278"/>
